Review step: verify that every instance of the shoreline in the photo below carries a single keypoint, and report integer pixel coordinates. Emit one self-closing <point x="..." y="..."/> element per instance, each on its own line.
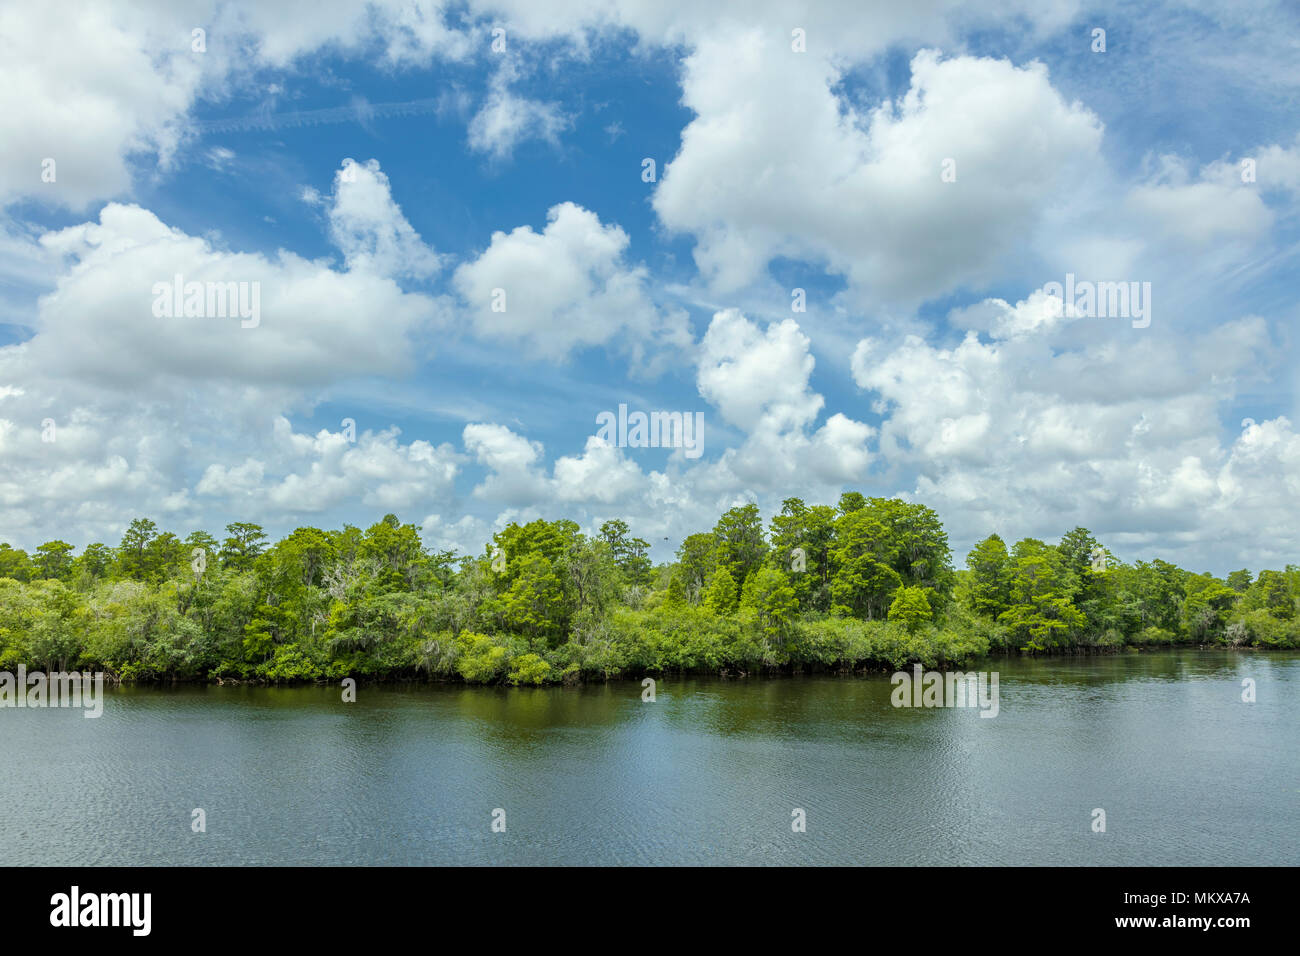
<point x="728" y="674"/>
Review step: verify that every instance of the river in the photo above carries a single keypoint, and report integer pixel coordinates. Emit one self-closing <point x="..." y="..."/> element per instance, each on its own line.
<point x="711" y="772"/>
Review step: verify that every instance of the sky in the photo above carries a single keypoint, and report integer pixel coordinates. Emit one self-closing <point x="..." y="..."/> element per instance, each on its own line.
<point x="848" y="237"/>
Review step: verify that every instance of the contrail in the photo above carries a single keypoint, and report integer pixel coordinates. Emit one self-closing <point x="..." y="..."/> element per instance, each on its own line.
<point x="361" y="112"/>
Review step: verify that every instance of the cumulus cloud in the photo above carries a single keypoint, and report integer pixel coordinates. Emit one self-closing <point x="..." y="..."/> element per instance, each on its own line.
<point x="506" y="119"/>
<point x="113" y="406"/>
<point x="1015" y="416"/>
<point x="369" y="227"/>
<point x="1213" y="206"/>
<point x="1042" y="428"/>
<point x="314" y="325"/>
<point x="775" y="164"/>
<point x="836" y="27"/>
<point x="1040" y="312"/>
<point x="514" y="462"/>
<point x="465" y="535"/>
<point x="601" y="474"/>
<point x="760" y="382"/>
<point x="568" y="287"/>
<point x="314" y="473"/>
<point x="757" y="380"/>
<point x="57" y="104"/>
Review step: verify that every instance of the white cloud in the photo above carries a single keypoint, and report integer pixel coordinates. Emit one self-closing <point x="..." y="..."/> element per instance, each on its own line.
<point x="376" y="470"/>
<point x="602" y="473"/>
<point x="465" y="535"/>
<point x="87" y="91"/>
<point x="507" y="119"/>
<point x="369" y="227"/>
<point x="514" y="462"/>
<point x="115" y="83"/>
<point x="316" y="325"/>
<point x="219" y="158"/>
<point x="774" y="164"/>
<point x="1046" y="421"/>
<point x="1215" y="206"/>
<point x="836" y="27"/>
<point x="566" y="288"/>
<point x="186" y="415"/>
<point x="1039" y="313"/>
<point x="757" y="380"/>
<point x="1044" y="428"/>
<point x="1278" y="167"/>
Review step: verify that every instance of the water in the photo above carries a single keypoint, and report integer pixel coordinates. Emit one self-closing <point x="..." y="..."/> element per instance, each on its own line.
<point x="707" y="774"/>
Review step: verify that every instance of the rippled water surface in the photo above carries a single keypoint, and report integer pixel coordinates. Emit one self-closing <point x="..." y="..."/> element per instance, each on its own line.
<point x="709" y="773"/>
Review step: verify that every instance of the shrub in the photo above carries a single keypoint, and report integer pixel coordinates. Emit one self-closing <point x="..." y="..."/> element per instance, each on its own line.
<point x="480" y="659"/>
<point x="528" y="669"/>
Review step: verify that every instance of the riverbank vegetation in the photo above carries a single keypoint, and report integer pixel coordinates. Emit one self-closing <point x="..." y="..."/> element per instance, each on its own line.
<point x="867" y="583"/>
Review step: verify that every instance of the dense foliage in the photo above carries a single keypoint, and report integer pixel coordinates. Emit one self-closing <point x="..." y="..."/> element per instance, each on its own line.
<point x="867" y="583"/>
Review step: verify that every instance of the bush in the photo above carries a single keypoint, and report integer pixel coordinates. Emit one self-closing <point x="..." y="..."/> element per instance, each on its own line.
<point x="910" y="608"/>
<point x="528" y="669"/>
<point x="289" y="663"/>
<point x="1153" y="635"/>
<point x="1267" y="630"/>
<point x="480" y="660"/>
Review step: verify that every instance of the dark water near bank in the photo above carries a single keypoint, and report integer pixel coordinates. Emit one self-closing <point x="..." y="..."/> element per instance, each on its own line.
<point x="708" y="774"/>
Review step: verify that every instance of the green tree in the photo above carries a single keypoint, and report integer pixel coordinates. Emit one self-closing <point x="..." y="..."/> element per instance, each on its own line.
<point x="202" y="541"/>
<point x="1041" y="612"/>
<point x="1160" y="590"/>
<point x="528" y="669"/>
<point x="1076" y="548"/>
<point x="696" y="561"/>
<point x="1206" y="607"/>
<point x="14" y="563"/>
<point x="990" y="577"/>
<point x="245" y="542"/>
<point x="629" y="554"/>
<point x="132" y="553"/>
<point x="1273" y="594"/>
<point x="864" y="578"/>
<point x="54" y="560"/>
<point x="479" y="659"/>
<point x="593" y="575"/>
<point x="535" y="601"/>
<point x="720" y="598"/>
<point x="675" y="593"/>
<point x="164" y="557"/>
<point x="770" y="597"/>
<point x="851" y="501"/>
<point x="395" y="551"/>
<point x="329" y="603"/>
<point x="94" y="562"/>
<point x="802" y="538"/>
<point x="56" y="637"/>
<point x="917" y="545"/>
<point x="910" y="608"/>
<point x="741" y="545"/>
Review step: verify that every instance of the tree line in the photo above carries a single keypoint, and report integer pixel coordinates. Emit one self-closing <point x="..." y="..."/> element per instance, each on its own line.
<point x="867" y="583"/>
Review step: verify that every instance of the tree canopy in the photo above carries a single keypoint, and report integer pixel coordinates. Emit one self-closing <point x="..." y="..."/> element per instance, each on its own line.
<point x="868" y="582"/>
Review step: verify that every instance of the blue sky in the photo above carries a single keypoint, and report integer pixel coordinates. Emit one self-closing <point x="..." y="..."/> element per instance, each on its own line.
<point x="379" y="169"/>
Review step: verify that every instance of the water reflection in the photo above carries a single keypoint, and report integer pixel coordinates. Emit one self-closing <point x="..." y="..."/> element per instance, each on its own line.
<point x="708" y="773"/>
